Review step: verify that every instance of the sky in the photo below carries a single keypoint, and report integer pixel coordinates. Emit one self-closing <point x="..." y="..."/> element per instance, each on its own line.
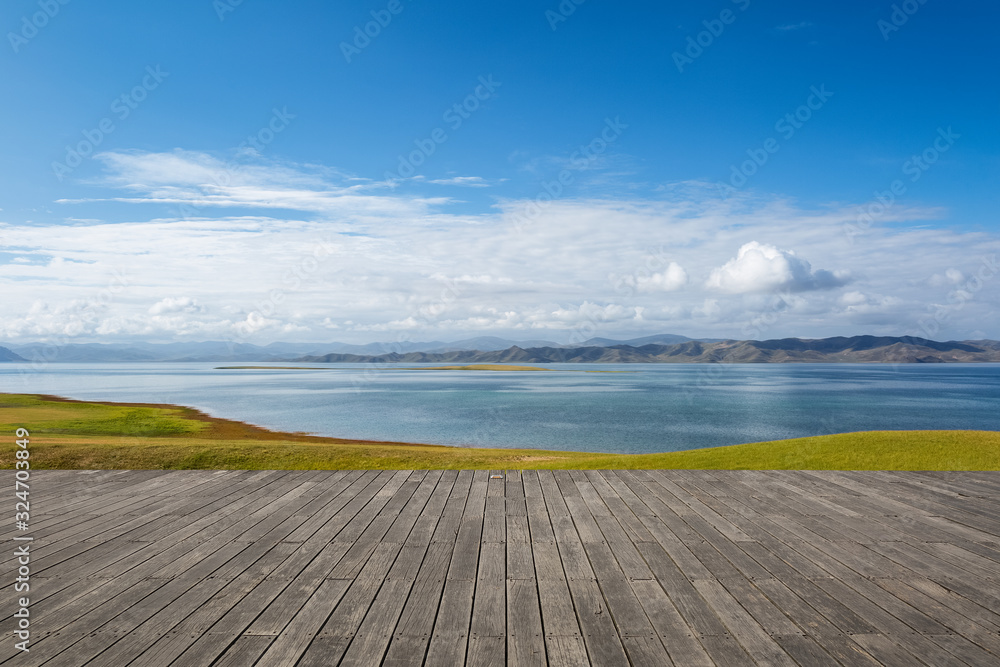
<point x="396" y="170"/>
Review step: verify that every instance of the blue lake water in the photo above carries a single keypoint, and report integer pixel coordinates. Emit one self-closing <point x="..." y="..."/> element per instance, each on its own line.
<point x="648" y="408"/>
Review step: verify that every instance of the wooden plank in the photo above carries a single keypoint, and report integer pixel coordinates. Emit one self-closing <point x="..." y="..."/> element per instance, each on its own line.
<point x="449" y="640"/>
<point x="804" y="650"/>
<point x="417" y="620"/>
<point x="555" y="600"/>
<point x="187" y="637"/>
<point x="289" y="648"/>
<point x="955" y="622"/>
<point x="487" y="621"/>
<point x="675" y="634"/>
<point x="405" y="651"/>
<point x="967" y="651"/>
<point x="450" y="637"/>
<point x="697" y="613"/>
<point x="77" y="626"/>
<point x="244" y="651"/>
<point x="984" y="616"/>
<point x="747" y="631"/>
<point x="525" y="642"/>
<point x="562" y="651"/>
<point x="376" y="629"/>
<point x="604" y="646"/>
<point x="586" y="567"/>
<point x="417" y="616"/>
<point x="892" y="654"/>
<point x="486" y="651"/>
<point x="753" y="600"/>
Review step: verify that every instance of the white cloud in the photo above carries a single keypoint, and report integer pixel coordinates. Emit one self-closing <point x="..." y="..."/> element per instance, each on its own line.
<point x="482" y="279"/>
<point x="467" y="181"/>
<point x="672" y="279"/>
<point x="760" y="267"/>
<point x="874" y="309"/>
<point x="192" y="181"/>
<point x="949" y="277"/>
<point x="709" y="309"/>
<point x="175" y="305"/>
<point x="793" y="26"/>
<point x="360" y="264"/>
<point x="587" y="312"/>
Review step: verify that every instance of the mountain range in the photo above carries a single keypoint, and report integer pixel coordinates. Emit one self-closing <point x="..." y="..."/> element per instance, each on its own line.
<point x="662" y="348"/>
<point x="225" y="351"/>
<point x="7" y="355"/>
<point x="856" y="349"/>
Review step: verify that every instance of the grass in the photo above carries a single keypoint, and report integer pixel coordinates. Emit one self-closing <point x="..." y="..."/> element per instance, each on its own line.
<point x="68" y="434"/>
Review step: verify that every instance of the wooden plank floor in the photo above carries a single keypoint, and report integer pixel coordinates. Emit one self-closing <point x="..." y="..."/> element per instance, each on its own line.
<point x="565" y="568"/>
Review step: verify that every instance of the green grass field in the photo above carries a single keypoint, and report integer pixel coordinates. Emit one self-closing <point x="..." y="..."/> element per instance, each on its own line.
<point x="68" y="434"/>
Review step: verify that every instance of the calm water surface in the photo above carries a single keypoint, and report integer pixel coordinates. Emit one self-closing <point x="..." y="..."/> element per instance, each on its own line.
<point x="648" y="408"/>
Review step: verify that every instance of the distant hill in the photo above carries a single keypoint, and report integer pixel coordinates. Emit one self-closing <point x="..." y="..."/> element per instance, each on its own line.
<point x="137" y="352"/>
<point x="225" y="351"/>
<point x="481" y="343"/>
<point x="657" y="339"/>
<point x="661" y="348"/>
<point x="8" y="355"/>
<point x="856" y="349"/>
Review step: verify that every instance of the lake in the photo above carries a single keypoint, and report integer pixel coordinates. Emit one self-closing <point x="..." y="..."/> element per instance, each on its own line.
<point x="643" y="408"/>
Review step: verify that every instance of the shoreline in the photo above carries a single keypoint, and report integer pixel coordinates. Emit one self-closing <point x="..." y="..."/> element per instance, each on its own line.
<point x="72" y="434"/>
<point x="225" y="428"/>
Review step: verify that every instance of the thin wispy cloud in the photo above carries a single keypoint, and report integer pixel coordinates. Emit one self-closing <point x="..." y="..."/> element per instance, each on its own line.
<point x="193" y="180"/>
<point x="788" y="27"/>
<point x="466" y="181"/>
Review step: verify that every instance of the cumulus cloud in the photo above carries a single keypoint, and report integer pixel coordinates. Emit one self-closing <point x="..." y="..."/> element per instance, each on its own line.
<point x="950" y="277"/>
<point x="671" y="279"/>
<point x="175" y="305"/>
<point x="759" y="267"/>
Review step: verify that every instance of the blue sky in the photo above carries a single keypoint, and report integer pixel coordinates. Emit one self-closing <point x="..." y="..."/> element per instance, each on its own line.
<point x="716" y="159"/>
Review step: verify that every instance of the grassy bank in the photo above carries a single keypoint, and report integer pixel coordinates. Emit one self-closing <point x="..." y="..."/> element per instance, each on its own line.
<point x="69" y="434"/>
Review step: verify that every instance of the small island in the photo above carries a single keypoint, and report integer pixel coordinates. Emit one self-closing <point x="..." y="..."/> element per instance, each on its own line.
<point x="270" y="368"/>
<point x="478" y="367"/>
